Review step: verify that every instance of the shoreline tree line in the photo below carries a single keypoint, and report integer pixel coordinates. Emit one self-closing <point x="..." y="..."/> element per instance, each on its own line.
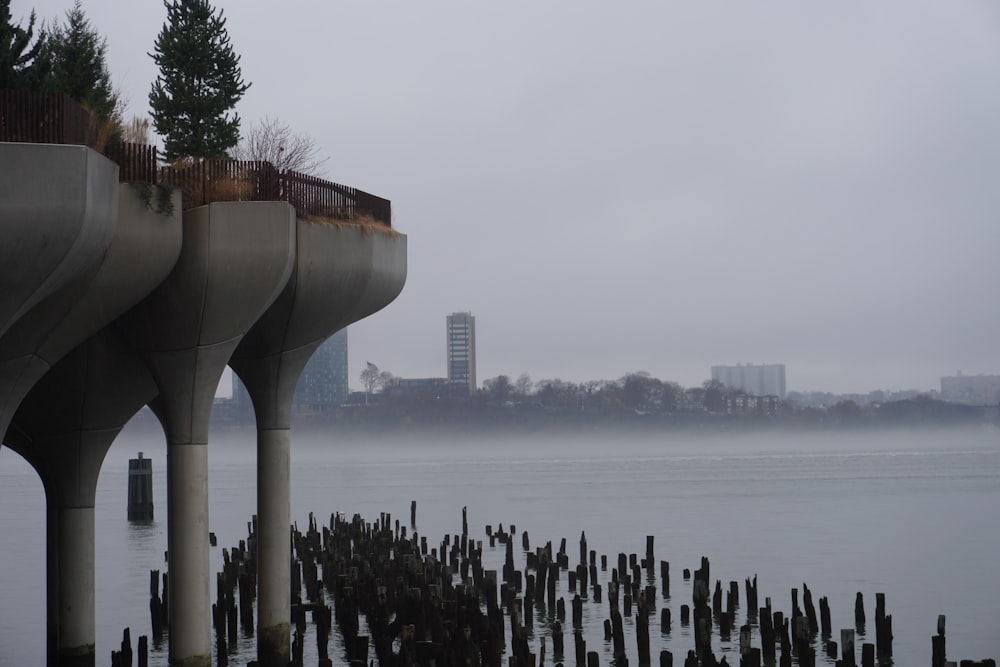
<point x="639" y="397"/>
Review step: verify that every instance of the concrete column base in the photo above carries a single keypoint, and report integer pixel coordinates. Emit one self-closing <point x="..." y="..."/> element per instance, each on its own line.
<point x="273" y="554"/>
<point x="187" y="537"/>
<point x="82" y="656"/>
<point x="71" y="585"/>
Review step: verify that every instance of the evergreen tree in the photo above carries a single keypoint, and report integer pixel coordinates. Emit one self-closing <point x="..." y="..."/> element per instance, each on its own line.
<point x="199" y="82"/>
<point x="21" y="62"/>
<point x="79" y="68"/>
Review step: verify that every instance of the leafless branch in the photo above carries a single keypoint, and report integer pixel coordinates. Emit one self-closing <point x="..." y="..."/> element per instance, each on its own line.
<point x="274" y="141"/>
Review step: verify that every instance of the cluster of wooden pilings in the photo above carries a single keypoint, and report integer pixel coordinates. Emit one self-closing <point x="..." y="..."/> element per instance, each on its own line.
<point x="235" y="594"/>
<point x="399" y="602"/>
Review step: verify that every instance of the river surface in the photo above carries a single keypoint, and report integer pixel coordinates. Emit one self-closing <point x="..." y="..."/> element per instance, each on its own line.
<point x="914" y="515"/>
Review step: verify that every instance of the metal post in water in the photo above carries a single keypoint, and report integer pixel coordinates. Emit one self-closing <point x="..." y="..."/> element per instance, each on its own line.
<point x="140" y="489"/>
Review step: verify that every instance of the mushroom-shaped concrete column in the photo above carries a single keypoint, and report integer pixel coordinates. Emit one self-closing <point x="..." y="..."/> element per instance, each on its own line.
<point x="235" y="259"/>
<point x="58" y="211"/>
<point x="64" y="428"/>
<point x="68" y="420"/>
<point x="344" y="272"/>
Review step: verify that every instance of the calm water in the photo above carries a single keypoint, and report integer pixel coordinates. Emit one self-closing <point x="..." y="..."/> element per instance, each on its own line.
<point x="910" y="515"/>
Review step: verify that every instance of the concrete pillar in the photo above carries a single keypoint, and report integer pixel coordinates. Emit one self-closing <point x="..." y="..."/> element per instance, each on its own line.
<point x="273" y="571"/>
<point x="236" y="258"/>
<point x="68" y="464"/>
<point x="71" y="583"/>
<point x="187" y="537"/>
<point x="72" y="402"/>
<point x="342" y="273"/>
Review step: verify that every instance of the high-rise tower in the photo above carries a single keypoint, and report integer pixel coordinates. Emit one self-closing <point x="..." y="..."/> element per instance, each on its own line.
<point x="461" y="339"/>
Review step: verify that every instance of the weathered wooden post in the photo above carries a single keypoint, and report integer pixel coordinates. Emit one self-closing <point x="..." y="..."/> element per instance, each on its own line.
<point x="847" y="647"/>
<point x="824" y="616"/>
<point x="868" y="655"/>
<point x="581" y="649"/>
<point x="140" y="489"/>
<point x="938" y="644"/>
<point x="766" y="635"/>
<point x="642" y="635"/>
<point x="883" y="628"/>
<point x="557" y="642"/>
<point x="810" y="609"/>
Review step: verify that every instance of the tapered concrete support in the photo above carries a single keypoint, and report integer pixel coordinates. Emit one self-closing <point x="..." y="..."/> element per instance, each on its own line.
<point x="69" y="414"/>
<point x="59" y="211"/>
<point x="342" y="274"/>
<point x="235" y="260"/>
<point x="64" y="428"/>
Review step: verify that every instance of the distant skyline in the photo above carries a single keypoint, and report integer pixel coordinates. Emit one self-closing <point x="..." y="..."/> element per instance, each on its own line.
<point x="662" y="186"/>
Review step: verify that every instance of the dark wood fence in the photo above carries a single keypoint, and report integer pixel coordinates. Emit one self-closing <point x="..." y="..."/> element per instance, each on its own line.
<point x="209" y="181"/>
<point x="206" y="181"/>
<point x="28" y="116"/>
<point x="315" y="196"/>
<point x="136" y="162"/>
<point x="42" y="118"/>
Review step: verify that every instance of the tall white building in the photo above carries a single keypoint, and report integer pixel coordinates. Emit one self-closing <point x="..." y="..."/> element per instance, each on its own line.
<point x="759" y="380"/>
<point x="461" y="339"/>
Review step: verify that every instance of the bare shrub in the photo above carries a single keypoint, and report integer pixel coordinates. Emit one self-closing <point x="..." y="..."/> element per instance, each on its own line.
<point x="273" y="141"/>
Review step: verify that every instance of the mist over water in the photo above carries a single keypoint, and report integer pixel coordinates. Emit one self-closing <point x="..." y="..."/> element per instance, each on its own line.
<point x="910" y="514"/>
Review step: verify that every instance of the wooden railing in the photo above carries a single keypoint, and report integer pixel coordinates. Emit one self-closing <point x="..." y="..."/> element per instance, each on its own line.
<point x="32" y="117"/>
<point x="42" y="118"/>
<point x="209" y="181"/>
<point x="136" y="162"/>
<point x="315" y="196"/>
<point x="206" y="181"/>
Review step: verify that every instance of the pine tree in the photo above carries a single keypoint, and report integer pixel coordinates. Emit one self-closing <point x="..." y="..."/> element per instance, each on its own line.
<point x="21" y="64"/>
<point x="79" y="67"/>
<point x="199" y="82"/>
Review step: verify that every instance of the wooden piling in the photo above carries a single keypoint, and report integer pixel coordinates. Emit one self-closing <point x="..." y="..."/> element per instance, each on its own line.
<point x="938" y="644"/>
<point x="642" y="636"/>
<point x="824" y="616"/>
<point x="847" y="647"/>
<point x="883" y="628"/>
<point x="557" y="641"/>
<point x="810" y="609"/>
<point x="867" y="655"/>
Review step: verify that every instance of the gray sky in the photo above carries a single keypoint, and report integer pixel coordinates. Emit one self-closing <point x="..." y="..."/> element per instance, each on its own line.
<point x="659" y="186"/>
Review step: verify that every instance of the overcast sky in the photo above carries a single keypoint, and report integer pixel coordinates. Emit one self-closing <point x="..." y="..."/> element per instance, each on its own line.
<point x="661" y="186"/>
